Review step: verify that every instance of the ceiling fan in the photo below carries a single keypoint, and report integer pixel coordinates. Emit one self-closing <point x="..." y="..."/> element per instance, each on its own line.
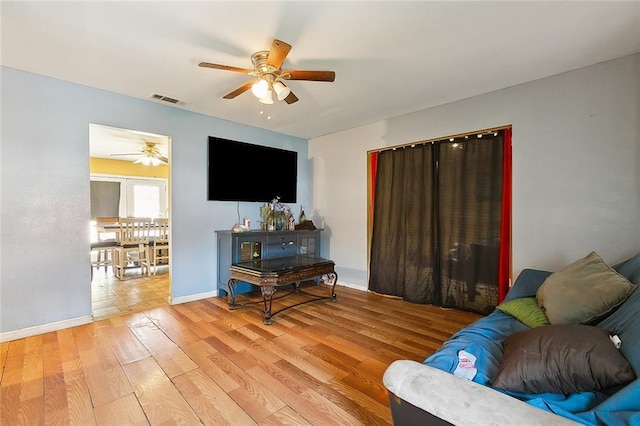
<point x="269" y="76"/>
<point x="149" y="155"/>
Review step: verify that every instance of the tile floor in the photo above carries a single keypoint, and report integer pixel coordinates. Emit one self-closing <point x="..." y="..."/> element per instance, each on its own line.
<point x="111" y="296"/>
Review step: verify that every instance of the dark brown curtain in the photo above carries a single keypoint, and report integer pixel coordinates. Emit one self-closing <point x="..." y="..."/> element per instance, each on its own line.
<point x="436" y="223"/>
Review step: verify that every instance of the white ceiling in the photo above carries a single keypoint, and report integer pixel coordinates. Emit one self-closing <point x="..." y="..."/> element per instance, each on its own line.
<point x="390" y="58"/>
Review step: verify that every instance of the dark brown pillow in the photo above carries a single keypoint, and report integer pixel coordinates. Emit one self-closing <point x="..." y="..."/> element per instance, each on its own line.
<point x="564" y="358"/>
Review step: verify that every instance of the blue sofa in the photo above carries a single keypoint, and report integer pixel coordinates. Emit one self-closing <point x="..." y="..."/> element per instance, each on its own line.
<point x="421" y="394"/>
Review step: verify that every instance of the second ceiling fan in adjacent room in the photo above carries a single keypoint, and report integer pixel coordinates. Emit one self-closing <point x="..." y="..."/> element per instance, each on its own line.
<point x="149" y="155"/>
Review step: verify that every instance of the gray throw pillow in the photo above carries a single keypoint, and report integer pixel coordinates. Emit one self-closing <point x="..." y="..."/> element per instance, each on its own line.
<point x="584" y="292"/>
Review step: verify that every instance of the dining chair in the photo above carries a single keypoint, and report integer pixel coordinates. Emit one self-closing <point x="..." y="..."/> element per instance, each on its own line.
<point x="159" y="243"/>
<point x="132" y="248"/>
<point x="103" y="248"/>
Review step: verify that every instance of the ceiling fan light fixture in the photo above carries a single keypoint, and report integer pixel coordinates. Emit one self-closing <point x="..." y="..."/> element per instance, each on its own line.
<point x="260" y="89"/>
<point x="281" y="90"/>
<point x="148" y="161"/>
<point x="268" y="98"/>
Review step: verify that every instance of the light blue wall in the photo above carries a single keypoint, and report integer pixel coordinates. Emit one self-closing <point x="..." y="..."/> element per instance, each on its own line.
<point x="44" y="209"/>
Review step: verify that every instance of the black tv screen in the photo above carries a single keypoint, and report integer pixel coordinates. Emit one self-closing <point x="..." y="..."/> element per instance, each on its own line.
<point x="240" y="171"/>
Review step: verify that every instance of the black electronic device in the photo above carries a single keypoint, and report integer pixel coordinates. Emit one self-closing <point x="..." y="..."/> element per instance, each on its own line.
<point x="241" y="171"/>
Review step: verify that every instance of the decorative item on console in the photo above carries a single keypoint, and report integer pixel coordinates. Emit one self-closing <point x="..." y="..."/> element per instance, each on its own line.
<point x="275" y="215"/>
<point x="265" y="215"/>
<point x="304" y="224"/>
<point x="307" y="225"/>
<point x="242" y="228"/>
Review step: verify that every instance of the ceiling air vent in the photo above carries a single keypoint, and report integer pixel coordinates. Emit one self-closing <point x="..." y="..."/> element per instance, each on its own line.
<point x="165" y="99"/>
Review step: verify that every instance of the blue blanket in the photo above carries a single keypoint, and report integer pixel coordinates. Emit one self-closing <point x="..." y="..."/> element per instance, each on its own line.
<point x="484" y="338"/>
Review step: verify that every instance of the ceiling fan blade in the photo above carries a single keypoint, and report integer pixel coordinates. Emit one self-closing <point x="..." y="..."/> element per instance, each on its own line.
<point x="224" y="67"/>
<point x="291" y="98"/>
<point x="308" y="75"/>
<point x="163" y="159"/>
<point x="127" y="153"/>
<point x="279" y="51"/>
<point x="238" y="91"/>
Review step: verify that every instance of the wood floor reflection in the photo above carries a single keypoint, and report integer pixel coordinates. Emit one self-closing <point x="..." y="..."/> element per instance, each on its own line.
<point x="111" y="296"/>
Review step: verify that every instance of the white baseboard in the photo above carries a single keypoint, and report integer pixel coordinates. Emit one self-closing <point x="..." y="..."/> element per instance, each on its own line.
<point x="44" y="328"/>
<point x="192" y="297"/>
<point x="353" y="286"/>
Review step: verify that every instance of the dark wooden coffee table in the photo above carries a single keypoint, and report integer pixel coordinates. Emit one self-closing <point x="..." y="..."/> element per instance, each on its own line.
<point x="268" y="274"/>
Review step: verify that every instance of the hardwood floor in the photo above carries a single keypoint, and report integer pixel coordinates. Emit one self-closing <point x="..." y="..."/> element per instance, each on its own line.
<point x="199" y="363"/>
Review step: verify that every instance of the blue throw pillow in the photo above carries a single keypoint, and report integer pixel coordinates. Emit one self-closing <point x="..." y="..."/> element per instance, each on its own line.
<point x="527" y="284"/>
<point x="630" y="269"/>
<point x="625" y="322"/>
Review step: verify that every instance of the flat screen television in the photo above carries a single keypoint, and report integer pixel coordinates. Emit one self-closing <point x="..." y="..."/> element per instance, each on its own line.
<point x="240" y="171"/>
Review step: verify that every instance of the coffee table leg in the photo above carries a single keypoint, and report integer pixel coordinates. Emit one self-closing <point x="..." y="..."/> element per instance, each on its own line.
<point x="267" y="295"/>
<point x="231" y="297"/>
<point x="334" y="277"/>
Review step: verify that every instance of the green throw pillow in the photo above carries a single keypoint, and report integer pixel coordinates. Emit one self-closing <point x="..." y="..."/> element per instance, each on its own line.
<point x="525" y="310"/>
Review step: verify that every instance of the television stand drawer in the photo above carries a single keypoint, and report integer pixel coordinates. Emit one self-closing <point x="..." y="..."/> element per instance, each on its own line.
<point x="282" y="245"/>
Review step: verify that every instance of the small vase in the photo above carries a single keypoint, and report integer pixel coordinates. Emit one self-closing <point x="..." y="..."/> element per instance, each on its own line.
<point x="280" y="221"/>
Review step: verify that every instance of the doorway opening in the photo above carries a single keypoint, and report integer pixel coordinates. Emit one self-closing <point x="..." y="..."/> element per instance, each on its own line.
<point x="129" y="173"/>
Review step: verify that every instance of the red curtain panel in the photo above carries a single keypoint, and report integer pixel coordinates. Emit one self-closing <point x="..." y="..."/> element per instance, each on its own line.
<point x="374" y="168"/>
<point x="504" y="265"/>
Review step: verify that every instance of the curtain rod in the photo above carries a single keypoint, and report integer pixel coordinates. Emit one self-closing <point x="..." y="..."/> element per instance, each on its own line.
<point x="442" y="139"/>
